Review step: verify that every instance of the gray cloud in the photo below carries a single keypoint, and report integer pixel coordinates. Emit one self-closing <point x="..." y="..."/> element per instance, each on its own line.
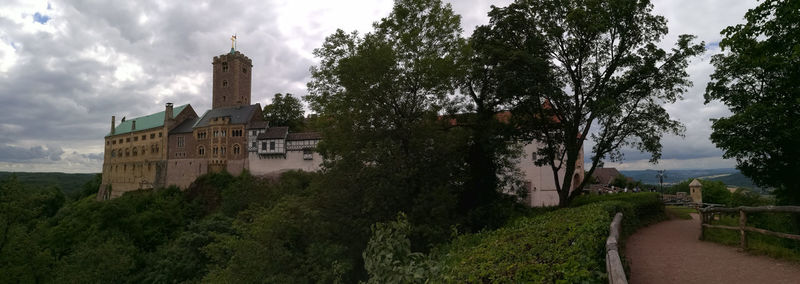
<point x="61" y="79"/>
<point x="9" y="153"/>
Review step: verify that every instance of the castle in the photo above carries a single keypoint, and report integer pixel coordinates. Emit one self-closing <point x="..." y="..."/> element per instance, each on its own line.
<point x="175" y="146"/>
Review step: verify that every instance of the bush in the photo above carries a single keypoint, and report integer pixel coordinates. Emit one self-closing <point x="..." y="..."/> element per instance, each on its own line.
<point x="566" y="245"/>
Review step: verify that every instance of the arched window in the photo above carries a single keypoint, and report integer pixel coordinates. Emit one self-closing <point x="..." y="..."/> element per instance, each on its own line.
<point x="113" y="153"/>
<point x="201" y="151"/>
<point x="135" y="151"/>
<point x="224" y="83"/>
<point x="224" y="66"/>
<point x="244" y="70"/>
<point x="236" y="149"/>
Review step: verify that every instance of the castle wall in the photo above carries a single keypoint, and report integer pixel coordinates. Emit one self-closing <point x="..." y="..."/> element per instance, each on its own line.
<point x="182" y="172"/>
<point x="131" y="161"/>
<point x="267" y="165"/>
<point x="539" y="181"/>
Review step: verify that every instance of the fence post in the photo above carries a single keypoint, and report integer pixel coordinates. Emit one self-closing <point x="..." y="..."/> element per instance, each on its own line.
<point x="742" y="233"/>
<point x="702" y="221"/>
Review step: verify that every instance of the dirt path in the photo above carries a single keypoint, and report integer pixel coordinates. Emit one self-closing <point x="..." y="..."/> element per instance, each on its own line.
<point x="670" y="252"/>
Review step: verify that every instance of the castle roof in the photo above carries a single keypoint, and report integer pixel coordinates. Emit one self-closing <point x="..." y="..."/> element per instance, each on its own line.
<point x="258" y="124"/>
<point x="145" y="122"/>
<point x="237" y="114"/>
<point x="304" y="136"/>
<point x="185" y="126"/>
<point x="277" y="132"/>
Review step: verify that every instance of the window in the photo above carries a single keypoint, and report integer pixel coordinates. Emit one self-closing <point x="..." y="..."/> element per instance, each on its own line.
<point x="152" y="136"/>
<point x="534" y="157"/>
<point x="128" y="139"/>
<point x="236" y="149"/>
<point x="255" y="133"/>
<point x="215" y="133"/>
<point x="223" y="133"/>
<point x="113" y="153"/>
<point x="136" y="138"/>
<point x="272" y="145"/>
<point x="135" y="151"/>
<point x="216" y="150"/>
<point x="222" y="151"/>
<point x="127" y="152"/>
<point x="180" y="142"/>
<point x="224" y="83"/>
<point x="114" y="142"/>
<point x="201" y="135"/>
<point x="144" y="137"/>
<point x="244" y="70"/>
<point x="201" y="151"/>
<point x="263" y="145"/>
<point x="254" y="145"/>
<point x="308" y="154"/>
<point x="143" y="150"/>
<point x="224" y="66"/>
<point x="160" y="135"/>
<point x="108" y="143"/>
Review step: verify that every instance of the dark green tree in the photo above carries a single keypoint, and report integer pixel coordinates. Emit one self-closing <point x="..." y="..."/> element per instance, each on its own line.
<point x="590" y="69"/>
<point x="757" y="78"/>
<point x="285" y="110"/>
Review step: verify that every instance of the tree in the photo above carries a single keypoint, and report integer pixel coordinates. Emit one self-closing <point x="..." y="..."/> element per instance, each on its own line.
<point x="757" y="78"/>
<point x="604" y="79"/>
<point x="284" y="111"/>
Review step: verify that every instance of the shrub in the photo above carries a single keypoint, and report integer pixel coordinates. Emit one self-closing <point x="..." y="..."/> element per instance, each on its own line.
<point x="565" y="245"/>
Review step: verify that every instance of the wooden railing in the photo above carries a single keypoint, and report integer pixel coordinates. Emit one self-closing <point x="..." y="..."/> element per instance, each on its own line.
<point x="616" y="274"/>
<point x="707" y="214"/>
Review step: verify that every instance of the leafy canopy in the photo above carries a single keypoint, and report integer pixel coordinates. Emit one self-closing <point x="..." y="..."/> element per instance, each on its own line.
<point x="604" y="79"/>
<point x="757" y="78"/>
<point x="285" y="110"/>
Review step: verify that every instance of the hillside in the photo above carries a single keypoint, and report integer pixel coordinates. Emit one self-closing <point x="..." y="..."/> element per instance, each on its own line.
<point x="731" y="177"/>
<point x="68" y="183"/>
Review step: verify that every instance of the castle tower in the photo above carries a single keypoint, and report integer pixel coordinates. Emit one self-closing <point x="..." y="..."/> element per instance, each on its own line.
<point x="232" y="79"/>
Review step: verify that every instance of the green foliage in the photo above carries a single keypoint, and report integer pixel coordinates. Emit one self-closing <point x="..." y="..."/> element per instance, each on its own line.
<point x="757" y="79"/>
<point x="285" y="111"/>
<point x="388" y="257"/>
<point x="565" y="245"/>
<point x="759" y="243"/>
<point x="290" y="235"/>
<point x="575" y="65"/>
<point x="69" y="184"/>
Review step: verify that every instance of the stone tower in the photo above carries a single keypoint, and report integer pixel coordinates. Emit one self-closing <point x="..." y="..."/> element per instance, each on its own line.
<point x="696" y="191"/>
<point x="232" y="80"/>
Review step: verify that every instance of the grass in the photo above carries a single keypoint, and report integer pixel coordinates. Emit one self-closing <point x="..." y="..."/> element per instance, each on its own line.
<point x="680" y="212"/>
<point x="757" y="243"/>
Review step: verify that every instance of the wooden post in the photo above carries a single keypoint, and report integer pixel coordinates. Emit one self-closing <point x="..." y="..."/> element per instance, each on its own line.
<point x="742" y="232"/>
<point x="702" y="221"/>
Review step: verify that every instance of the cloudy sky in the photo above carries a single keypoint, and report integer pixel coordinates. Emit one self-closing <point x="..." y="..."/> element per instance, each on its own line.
<point x="67" y="67"/>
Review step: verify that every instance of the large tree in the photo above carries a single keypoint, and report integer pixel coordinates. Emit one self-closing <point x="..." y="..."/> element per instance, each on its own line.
<point x="758" y="78"/>
<point x="285" y="110"/>
<point x="589" y="69"/>
<point x="378" y="97"/>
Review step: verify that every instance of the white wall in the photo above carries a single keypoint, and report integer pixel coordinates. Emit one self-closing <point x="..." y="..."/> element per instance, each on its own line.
<point x="271" y="164"/>
<point x="543" y="186"/>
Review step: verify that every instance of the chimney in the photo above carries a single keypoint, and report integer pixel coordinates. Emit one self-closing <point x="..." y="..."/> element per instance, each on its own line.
<point x="112" y="124"/>
<point x="133" y="125"/>
<point x="168" y="113"/>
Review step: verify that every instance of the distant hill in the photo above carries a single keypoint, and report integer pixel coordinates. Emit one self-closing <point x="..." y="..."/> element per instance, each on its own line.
<point x="68" y="183"/>
<point x="731" y="177"/>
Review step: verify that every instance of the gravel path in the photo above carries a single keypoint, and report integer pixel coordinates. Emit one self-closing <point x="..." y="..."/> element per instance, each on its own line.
<point x="670" y="252"/>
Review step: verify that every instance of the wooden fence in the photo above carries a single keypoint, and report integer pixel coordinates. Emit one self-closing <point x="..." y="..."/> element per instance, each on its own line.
<point x="707" y="214"/>
<point x="616" y="274"/>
